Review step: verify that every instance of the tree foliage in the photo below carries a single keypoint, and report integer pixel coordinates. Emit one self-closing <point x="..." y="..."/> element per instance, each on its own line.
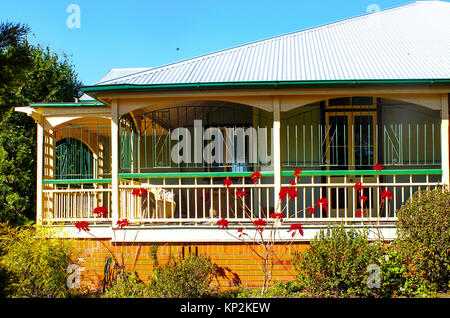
<point x="28" y="74"/>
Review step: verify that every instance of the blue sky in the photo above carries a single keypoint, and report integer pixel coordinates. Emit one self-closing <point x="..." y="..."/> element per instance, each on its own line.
<point x="138" y="33"/>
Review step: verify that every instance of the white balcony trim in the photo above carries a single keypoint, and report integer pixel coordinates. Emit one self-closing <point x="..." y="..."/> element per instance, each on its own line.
<point x="175" y="234"/>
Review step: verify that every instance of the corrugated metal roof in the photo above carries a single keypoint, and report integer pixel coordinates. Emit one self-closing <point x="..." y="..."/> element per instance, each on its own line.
<point x="86" y="97"/>
<point x="407" y="42"/>
<point x="116" y="73"/>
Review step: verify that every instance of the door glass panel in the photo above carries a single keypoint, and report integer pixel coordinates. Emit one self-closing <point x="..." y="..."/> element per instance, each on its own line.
<point x="364" y="145"/>
<point x="338" y="146"/>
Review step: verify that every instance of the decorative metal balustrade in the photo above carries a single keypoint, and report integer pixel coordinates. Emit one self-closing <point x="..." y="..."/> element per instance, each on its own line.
<point x="353" y="136"/>
<point x="340" y="134"/>
<point x="149" y="139"/>
<point x="403" y="145"/>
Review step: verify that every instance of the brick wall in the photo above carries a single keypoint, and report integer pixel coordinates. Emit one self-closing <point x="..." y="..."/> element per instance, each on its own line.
<point x="237" y="263"/>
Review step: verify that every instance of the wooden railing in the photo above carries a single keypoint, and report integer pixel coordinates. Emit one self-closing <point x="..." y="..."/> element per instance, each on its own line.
<point x="75" y="200"/>
<point x="200" y="199"/>
<point x="194" y="199"/>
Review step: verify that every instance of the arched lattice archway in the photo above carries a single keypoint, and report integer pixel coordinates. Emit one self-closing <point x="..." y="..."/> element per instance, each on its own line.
<point x="78" y="150"/>
<point x="73" y="159"/>
<point x="149" y="139"/>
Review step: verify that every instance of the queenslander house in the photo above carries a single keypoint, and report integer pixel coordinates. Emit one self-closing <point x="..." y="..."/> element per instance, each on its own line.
<point x="338" y="123"/>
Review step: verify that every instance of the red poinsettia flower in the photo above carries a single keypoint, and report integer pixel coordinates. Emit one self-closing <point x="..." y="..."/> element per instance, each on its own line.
<point x="293" y="193"/>
<point x="358" y="186"/>
<point x="101" y="210"/>
<point x="296" y="227"/>
<point x="360" y="213"/>
<point x="363" y="198"/>
<point x="260" y="224"/>
<point x="82" y="225"/>
<point x="386" y="194"/>
<point x="143" y="191"/>
<point x="227" y="182"/>
<point x="311" y="210"/>
<point x="275" y="215"/>
<point x="378" y="167"/>
<point x="241" y="232"/>
<point x="136" y="192"/>
<point x="292" y="183"/>
<point x="222" y="223"/>
<point x="297" y="172"/>
<point x="241" y="193"/>
<point x="283" y="193"/>
<point x="290" y="191"/>
<point x="255" y="176"/>
<point x="323" y="202"/>
<point x="122" y="223"/>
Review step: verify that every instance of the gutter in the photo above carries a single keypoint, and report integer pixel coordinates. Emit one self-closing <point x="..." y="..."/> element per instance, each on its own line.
<point x="269" y="84"/>
<point x="79" y="104"/>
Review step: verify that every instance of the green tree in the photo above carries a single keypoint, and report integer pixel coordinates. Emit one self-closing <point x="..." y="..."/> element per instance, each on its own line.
<point x="27" y="74"/>
<point x="15" y="61"/>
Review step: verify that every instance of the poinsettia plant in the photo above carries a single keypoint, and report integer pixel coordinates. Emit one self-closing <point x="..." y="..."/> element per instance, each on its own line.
<point x="84" y="226"/>
<point x="120" y="224"/>
<point x="267" y="227"/>
<point x="276" y="220"/>
<point x="385" y="196"/>
<point x="119" y="260"/>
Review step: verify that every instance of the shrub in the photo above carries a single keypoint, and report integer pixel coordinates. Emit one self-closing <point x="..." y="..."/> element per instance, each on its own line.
<point x="241" y="292"/>
<point x="190" y="276"/>
<point x="128" y="285"/>
<point x="279" y="289"/>
<point x="284" y="289"/>
<point x="337" y="262"/>
<point x="394" y="274"/>
<point x="424" y="239"/>
<point x="34" y="261"/>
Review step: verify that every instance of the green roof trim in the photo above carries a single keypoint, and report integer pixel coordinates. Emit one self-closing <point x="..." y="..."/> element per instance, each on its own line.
<point x="75" y="181"/>
<point x="272" y="84"/>
<point x="248" y="174"/>
<point x="283" y="173"/>
<point x="72" y="104"/>
<point x="365" y="172"/>
<point x="191" y="174"/>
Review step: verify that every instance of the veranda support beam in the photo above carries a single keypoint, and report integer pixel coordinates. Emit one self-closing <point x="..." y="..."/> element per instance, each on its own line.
<point x="39" y="172"/>
<point x="445" y="147"/>
<point x="276" y="148"/>
<point x="115" y="162"/>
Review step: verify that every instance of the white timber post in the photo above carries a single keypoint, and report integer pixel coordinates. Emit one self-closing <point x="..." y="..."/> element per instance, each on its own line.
<point x="39" y="172"/>
<point x="276" y="146"/>
<point x="445" y="157"/>
<point x="115" y="162"/>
